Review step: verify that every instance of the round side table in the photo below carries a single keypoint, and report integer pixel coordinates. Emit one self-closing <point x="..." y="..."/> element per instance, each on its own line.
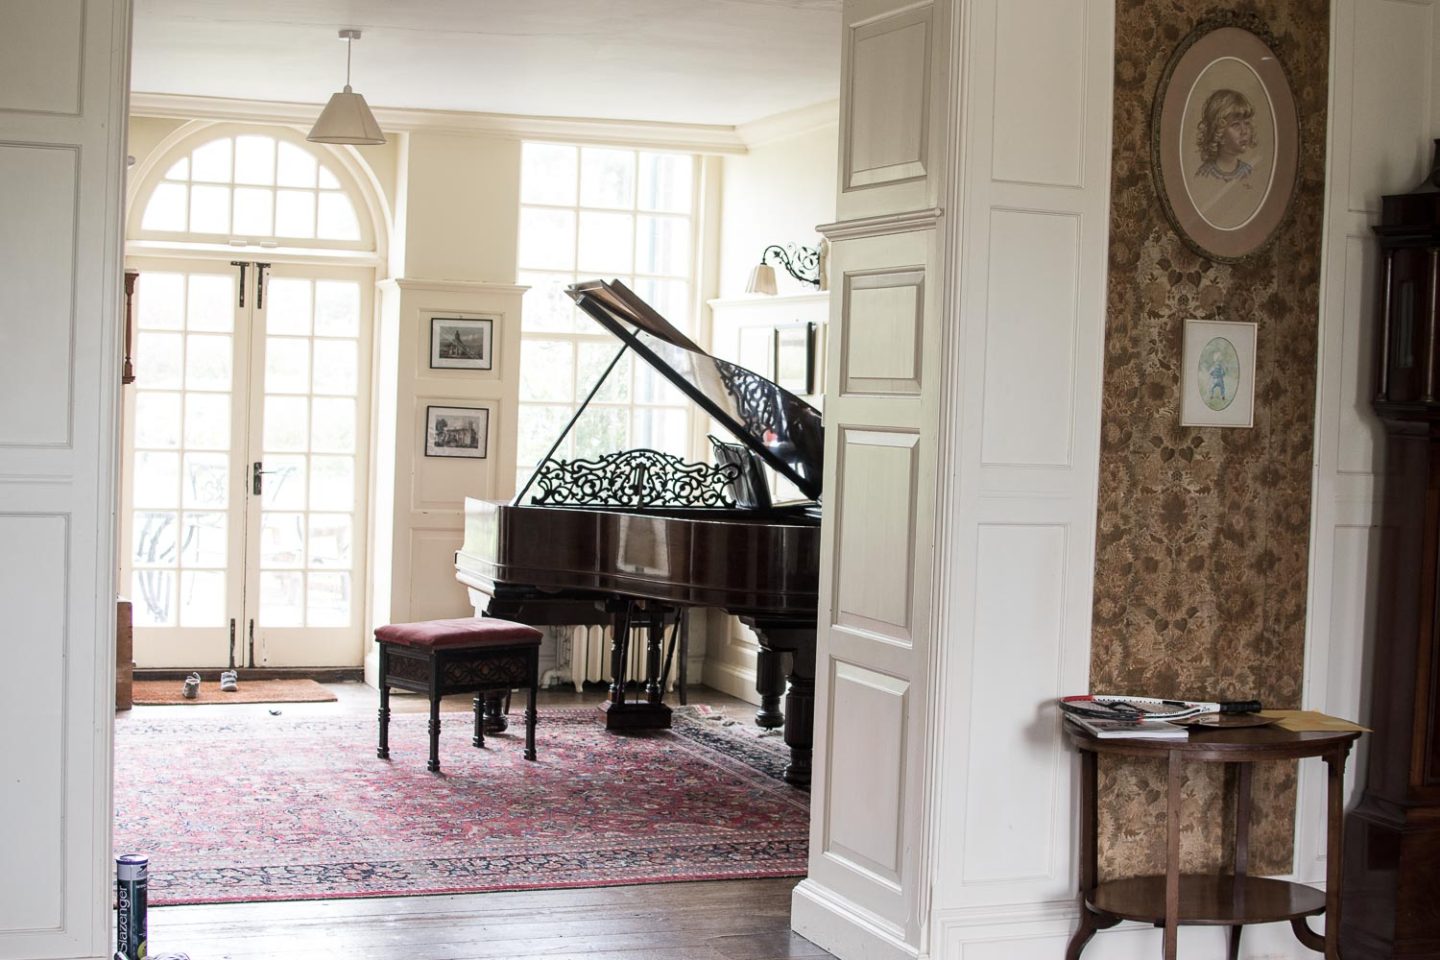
<point x="1231" y="900"/>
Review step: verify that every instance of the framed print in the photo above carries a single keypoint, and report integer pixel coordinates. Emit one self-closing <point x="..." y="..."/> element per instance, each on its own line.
<point x="461" y="343"/>
<point x="1225" y="140"/>
<point x="457" y="432"/>
<point x="795" y="357"/>
<point x="1217" y="377"/>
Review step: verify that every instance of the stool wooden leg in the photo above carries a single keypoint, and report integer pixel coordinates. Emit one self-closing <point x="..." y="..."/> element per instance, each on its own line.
<point x="383" y="750"/>
<point x="479" y="738"/>
<point x="530" y="704"/>
<point x="433" y="764"/>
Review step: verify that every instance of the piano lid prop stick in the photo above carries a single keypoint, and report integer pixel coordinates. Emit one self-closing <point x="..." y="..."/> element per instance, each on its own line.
<point x="563" y="433"/>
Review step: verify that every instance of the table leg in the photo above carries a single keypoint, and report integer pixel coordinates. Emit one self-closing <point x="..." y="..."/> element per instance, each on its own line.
<point x="1172" y="859"/>
<point x="1335" y="764"/>
<point x="1089" y="853"/>
<point x="1242" y="844"/>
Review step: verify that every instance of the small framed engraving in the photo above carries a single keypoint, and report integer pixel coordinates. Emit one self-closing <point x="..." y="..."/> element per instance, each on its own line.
<point x="462" y="343"/>
<point x="457" y="432"/>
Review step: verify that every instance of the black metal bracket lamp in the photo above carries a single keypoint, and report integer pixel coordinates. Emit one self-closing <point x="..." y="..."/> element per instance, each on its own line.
<point x="802" y="263"/>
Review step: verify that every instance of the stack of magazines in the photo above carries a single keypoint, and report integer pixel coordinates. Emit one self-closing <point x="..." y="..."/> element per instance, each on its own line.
<point x="1126" y="717"/>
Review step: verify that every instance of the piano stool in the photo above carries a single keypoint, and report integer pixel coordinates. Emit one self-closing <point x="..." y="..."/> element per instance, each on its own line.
<point x="468" y="655"/>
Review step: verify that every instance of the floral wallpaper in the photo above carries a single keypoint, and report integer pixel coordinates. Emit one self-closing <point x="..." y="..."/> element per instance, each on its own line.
<point x="1203" y="533"/>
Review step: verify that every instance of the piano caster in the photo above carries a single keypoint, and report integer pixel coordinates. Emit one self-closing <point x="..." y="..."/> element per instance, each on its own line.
<point x="634" y="715"/>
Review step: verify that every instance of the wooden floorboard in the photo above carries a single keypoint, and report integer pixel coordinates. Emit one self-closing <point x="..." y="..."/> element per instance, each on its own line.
<point x="713" y="920"/>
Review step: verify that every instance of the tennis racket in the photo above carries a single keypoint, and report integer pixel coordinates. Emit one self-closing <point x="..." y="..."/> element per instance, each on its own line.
<point x="1117" y="707"/>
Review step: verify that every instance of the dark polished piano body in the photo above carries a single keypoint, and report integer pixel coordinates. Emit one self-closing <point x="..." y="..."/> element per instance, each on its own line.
<point x="631" y="539"/>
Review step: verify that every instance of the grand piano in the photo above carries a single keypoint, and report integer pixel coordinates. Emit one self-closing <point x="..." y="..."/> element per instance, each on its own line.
<point x="635" y="538"/>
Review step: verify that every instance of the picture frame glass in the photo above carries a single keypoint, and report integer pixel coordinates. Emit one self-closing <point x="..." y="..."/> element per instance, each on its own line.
<point x="461" y="343"/>
<point x="1217" y="381"/>
<point x="457" y="432"/>
<point x="1225" y="141"/>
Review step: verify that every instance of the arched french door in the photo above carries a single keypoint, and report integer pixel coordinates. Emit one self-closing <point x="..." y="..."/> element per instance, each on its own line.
<point x="243" y="526"/>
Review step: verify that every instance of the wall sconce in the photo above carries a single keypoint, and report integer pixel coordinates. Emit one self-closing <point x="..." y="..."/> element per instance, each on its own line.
<point x="802" y="263"/>
<point x="347" y="117"/>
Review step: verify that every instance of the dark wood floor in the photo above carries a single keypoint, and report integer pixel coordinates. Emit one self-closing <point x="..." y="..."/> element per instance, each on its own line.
<point x="726" y="920"/>
<point x="729" y="920"/>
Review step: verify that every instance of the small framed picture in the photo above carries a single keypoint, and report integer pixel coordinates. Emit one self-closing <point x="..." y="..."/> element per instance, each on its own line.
<point x="1217" y="379"/>
<point x="461" y="343"/>
<point x="457" y="432"/>
<point x="795" y="357"/>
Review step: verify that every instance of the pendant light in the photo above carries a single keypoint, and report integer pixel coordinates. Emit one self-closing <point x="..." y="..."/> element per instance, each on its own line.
<point x="347" y="118"/>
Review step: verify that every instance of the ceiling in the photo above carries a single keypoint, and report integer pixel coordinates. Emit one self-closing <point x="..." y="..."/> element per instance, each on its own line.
<point x="689" y="61"/>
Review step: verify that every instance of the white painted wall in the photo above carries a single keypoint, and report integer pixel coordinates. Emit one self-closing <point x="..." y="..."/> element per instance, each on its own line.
<point x="63" y="67"/>
<point x="779" y="192"/>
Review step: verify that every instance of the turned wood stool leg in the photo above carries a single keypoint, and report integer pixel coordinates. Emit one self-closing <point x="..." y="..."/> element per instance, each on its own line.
<point x="383" y="750"/>
<point x="478" y="739"/>
<point x="1172" y="859"/>
<point x="433" y="764"/>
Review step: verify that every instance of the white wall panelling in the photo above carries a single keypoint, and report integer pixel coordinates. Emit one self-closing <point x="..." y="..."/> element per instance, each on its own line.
<point x="885" y="338"/>
<point x="61" y="169"/>
<point x="892" y="106"/>
<point x="419" y="518"/>
<point x="33" y="587"/>
<point x="41" y="50"/>
<point x="1384" y="97"/>
<point x="1020" y="455"/>
<point x="41" y="262"/>
<point x="867" y="890"/>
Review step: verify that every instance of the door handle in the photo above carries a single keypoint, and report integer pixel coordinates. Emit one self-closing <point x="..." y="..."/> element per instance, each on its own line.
<point x="256" y="472"/>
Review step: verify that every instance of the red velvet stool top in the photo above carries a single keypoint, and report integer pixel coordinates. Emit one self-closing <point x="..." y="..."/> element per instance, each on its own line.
<point x="464" y="632"/>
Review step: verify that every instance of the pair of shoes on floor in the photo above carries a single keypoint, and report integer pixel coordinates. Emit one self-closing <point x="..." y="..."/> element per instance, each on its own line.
<point x="192" y="687"/>
<point x="229" y="681"/>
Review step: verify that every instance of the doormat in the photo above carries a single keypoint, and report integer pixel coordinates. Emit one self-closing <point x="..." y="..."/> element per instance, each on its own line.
<point x="289" y="808"/>
<point x="167" y="692"/>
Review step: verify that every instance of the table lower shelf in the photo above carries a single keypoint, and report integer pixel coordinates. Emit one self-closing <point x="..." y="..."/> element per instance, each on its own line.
<point x="1208" y="899"/>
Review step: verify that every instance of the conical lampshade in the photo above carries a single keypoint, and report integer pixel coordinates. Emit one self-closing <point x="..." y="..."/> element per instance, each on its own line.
<point x="346" y="119"/>
<point x="762" y="280"/>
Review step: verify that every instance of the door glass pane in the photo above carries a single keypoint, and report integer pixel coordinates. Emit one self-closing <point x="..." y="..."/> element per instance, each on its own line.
<point x="295" y="214"/>
<point x="208" y="361"/>
<point x="181" y="485"/>
<point x="312" y="439"/>
<point x="287" y="365"/>
<point x="254" y="211"/>
<point x="160" y="358"/>
<point x="207" y="480"/>
<point x="282" y="599"/>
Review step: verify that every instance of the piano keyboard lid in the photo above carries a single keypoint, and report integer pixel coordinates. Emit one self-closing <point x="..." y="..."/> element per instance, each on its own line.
<point x="785" y="431"/>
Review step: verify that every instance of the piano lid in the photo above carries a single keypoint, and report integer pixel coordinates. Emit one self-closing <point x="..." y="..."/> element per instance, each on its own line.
<point x="785" y="431"/>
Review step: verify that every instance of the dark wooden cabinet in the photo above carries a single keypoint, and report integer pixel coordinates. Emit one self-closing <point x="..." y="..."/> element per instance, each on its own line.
<point x="1392" y="838"/>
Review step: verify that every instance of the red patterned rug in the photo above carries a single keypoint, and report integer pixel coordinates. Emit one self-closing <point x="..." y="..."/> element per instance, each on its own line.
<point x="293" y="808"/>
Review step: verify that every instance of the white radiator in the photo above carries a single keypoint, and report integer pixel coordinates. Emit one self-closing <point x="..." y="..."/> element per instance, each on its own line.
<point x="584" y="655"/>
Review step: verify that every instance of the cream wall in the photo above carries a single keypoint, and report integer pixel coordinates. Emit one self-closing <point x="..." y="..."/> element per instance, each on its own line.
<point x="779" y="192"/>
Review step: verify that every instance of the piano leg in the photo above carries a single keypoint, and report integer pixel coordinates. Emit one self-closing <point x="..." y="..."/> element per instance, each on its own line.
<point x="655" y="639"/>
<point x="798" y="640"/>
<point x="770" y="684"/>
<point x="651" y="713"/>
